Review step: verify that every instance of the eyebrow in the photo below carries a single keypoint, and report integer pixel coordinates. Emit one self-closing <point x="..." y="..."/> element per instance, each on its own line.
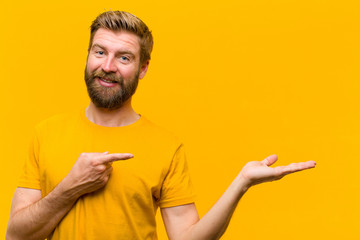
<point x="121" y="52"/>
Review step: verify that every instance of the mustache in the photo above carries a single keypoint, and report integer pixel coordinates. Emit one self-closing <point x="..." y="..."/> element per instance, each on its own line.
<point x="108" y="76"/>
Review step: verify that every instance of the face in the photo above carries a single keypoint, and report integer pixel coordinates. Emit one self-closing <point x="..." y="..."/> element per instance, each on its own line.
<point x="113" y="68"/>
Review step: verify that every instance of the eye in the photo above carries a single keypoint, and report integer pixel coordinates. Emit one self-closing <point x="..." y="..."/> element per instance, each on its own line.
<point x="100" y="52"/>
<point x="124" y="58"/>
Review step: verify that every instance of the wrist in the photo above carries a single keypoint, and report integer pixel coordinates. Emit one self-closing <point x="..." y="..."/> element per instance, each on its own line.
<point x="67" y="191"/>
<point x="243" y="183"/>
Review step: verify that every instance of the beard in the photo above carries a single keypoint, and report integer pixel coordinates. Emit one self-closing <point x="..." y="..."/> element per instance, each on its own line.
<point x="111" y="98"/>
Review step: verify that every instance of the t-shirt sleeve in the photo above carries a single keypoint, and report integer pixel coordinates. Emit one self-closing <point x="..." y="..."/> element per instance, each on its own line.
<point x="177" y="188"/>
<point x="30" y="177"/>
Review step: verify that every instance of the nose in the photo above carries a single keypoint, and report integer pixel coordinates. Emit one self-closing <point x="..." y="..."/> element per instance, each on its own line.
<point x="109" y="65"/>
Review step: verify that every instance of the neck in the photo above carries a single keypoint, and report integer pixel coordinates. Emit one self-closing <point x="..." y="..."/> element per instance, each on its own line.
<point x="125" y="115"/>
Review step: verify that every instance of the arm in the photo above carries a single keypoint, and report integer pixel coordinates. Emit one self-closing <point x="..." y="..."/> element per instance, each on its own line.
<point x="34" y="217"/>
<point x="183" y="223"/>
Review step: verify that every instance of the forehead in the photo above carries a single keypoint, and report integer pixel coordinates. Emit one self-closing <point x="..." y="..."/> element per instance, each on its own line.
<point x="117" y="40"/>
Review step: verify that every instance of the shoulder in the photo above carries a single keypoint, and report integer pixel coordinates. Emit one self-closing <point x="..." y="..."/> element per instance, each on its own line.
<point x="57" y="122"/>
<point x="160" y="134"/>
<point x="157" y="129"/>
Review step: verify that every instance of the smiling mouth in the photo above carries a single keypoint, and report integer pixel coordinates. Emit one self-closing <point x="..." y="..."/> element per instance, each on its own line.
<point x="107" y="80"/>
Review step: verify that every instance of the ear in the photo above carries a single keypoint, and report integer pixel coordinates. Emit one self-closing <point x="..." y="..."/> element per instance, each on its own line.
<point x="144" y="69"/>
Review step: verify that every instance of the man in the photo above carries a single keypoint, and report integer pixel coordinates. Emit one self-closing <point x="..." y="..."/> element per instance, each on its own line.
<point x="103" y="173"/>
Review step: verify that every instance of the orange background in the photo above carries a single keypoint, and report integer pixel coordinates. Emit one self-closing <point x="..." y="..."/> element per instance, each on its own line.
<point x="236" y="80"/>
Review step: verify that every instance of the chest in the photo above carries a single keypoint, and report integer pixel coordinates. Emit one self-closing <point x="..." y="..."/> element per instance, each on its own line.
<point x="137" y="177"/>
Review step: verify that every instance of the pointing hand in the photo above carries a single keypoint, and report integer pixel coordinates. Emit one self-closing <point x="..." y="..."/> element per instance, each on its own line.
<point x="91" y="171"/>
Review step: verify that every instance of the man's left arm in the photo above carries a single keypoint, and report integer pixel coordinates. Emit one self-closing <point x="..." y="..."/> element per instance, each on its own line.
<point x="183" y="223"/>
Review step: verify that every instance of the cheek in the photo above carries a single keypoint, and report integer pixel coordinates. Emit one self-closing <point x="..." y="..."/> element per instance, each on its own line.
<point x="93" y="64"/>
<point x="128" y="72"/>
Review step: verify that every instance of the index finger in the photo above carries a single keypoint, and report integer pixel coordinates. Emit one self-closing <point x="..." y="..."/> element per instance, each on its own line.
<point x="295" y="167"/>
<point x="114" y="157"/>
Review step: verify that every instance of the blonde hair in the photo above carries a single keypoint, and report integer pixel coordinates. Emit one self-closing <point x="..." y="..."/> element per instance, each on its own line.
<point x="119" y="20"/>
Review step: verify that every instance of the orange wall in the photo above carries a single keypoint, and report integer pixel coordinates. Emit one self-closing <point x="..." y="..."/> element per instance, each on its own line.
<point x="237" y="80"/>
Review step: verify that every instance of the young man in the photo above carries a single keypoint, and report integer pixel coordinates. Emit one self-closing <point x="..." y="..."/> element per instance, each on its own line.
<point x="102" y="173"/>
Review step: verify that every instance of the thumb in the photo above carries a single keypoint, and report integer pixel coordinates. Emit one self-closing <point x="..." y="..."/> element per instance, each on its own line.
<point x="270" y="160"/>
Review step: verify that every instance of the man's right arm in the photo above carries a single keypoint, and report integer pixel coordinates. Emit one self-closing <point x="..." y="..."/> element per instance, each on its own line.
<point x="34" y="217"/>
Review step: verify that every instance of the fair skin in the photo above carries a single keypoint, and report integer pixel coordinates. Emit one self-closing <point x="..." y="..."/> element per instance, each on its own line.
<point x="118" y="53"/>
<point x="34" y="217"/>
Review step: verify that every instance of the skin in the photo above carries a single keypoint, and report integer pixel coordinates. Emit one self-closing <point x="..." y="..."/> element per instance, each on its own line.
<point x="34" y="217"/>
<point x="214" y="223"/>
<point x="119" y="54"/>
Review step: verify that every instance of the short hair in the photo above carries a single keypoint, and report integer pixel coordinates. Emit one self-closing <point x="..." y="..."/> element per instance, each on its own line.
<point x="120" y="20"/>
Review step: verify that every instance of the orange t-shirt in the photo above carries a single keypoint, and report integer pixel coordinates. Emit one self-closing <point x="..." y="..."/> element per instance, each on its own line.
<point x="125" y="208"/>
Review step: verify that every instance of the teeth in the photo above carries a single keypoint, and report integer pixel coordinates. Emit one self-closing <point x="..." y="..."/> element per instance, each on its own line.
<point x="108" y="81"/>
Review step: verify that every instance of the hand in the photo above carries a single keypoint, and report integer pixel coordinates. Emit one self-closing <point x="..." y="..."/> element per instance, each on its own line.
<point x="91" y="171"/>
<point x="259" y="171"/>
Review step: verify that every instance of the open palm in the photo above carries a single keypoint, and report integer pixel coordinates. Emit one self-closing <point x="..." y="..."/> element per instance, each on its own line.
<point x="256" y="172"/>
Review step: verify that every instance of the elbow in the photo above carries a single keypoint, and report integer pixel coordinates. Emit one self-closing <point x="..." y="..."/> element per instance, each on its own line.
<point x="12" y="233"/>
<point x="194" y="233"/>
<point x="9" y="235"/>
